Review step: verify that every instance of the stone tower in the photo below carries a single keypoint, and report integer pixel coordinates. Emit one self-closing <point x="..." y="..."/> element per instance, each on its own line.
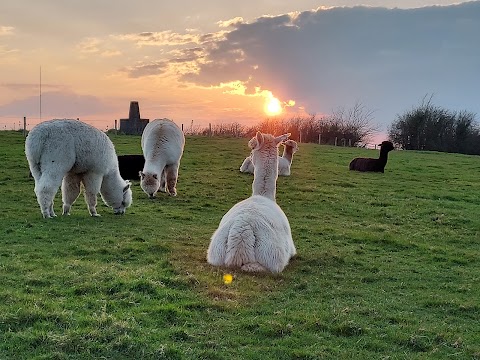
<point x="134" y="125"/>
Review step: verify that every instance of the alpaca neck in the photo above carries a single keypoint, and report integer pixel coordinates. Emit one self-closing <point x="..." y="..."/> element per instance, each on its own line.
<point x="111" y="182"/>
<point x="265" y="178"/>
<point x="383" y="156"/>
<point x="288" y="154"/>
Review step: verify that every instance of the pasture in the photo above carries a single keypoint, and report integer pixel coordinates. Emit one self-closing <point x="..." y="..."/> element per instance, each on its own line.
<point x="388" y="265"/>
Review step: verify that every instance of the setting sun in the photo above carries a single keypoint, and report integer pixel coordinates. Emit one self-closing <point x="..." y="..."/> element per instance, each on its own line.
<point x="273" y="106"/>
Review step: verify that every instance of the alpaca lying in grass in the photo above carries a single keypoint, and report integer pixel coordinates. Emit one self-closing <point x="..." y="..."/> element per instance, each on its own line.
<point x="290" y="147"/>
<point x="70" y="152"/>
<point x="162" y="144"/>
<point x="254" y="235"/>
<point x="375" y="165"/>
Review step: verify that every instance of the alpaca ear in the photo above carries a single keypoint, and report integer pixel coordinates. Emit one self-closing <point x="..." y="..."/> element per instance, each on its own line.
<point x="256" y="141"/>
<point x="282" y="138"/>
<point x="259" y="138"/>
<point x="126" y="187"/>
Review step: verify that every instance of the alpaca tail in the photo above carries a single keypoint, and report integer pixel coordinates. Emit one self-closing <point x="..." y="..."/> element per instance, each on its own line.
<point x="240" y="247"/>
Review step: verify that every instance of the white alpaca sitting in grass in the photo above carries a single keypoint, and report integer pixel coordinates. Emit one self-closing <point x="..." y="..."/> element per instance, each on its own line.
<point x="254" y="235"/>
<point x="162" y="144"/>
<point x="290" y="147"/>
<point x="70" y="152"/>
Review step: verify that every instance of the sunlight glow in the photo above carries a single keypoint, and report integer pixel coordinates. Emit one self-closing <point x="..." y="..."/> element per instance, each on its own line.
<point x="273" y="106"/>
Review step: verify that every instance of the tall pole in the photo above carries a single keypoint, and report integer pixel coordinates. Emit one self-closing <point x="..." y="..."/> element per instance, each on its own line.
<point x="40" y="93"/>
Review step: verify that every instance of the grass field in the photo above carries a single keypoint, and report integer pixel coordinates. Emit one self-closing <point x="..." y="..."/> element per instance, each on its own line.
<point x="388" y="265"/>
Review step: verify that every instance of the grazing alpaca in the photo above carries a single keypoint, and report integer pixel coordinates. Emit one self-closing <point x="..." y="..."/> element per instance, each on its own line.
<point x="376" y="165"/>
<point x="254" y="235"/>
<point x="130" y="166"/>
<point x="162" y="144"/>
<point x="290" y="147"/>
<point x="70" y="152"/>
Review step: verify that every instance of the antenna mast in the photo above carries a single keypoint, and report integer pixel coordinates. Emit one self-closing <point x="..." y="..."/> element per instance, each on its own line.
<point x="40" y="93"/>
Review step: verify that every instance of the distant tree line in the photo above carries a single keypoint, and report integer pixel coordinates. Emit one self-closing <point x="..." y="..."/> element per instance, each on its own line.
<point x="431" y="127"/>
<point x="350" y="127"/>
<point x="425" y="127"/>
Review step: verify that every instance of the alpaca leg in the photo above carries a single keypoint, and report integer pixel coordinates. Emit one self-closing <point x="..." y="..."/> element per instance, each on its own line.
<point x="92" y="183"/>
<point x="45" y="188"/>
<point x="171" y="175"/>
<point x="70" y="191"/>
<point x="162" y="181"/>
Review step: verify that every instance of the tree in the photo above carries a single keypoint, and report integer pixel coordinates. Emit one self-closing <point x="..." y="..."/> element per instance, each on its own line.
<point x="430" y="127"/>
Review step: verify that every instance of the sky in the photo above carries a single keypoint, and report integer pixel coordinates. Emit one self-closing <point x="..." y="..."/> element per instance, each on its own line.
<point x="216" y="61"/>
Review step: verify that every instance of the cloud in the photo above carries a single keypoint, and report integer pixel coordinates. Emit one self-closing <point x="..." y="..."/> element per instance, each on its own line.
<point x="56" y="104"/>
<point x="6" y="30"/>
<point x="386" y="58"/>
<point x="163" y="38"/>
<point x="231" y="22"/>
<point x="99" y="46"/>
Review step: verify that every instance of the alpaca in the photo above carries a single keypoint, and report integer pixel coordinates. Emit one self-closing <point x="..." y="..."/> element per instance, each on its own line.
<point x="130" y="166"/>
<point x="290" y="147"/>
<point x="247" y="165"/>
<point x="162" y="144"/>
<point x="70" y="152"/>
<point x="376" y="165"/>
<point x="254" y="235"/>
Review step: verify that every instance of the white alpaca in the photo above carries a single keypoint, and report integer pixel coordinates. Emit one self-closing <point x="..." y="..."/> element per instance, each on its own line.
<point x="290" y="147"/>
<point x="162" y="144"/>
<point x="70" y="152"/>
<point x="255" y="234"/>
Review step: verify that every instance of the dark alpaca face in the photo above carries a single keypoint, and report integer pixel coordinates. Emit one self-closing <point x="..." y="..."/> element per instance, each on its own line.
<point x="387" y="146"/>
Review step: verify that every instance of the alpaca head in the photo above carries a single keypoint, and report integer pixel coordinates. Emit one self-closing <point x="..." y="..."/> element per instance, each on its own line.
<point x="292" y="145"/>
<point x="119" y="209"/>
<point x="386" y="146"/>
<point x="265" y="145"/>
<point x="150" y="183"/>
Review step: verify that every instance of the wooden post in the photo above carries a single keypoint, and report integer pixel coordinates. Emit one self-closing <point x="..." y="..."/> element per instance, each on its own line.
<point x="24" y="126"/>
<point x="336" y="141"/>
<point x="350" y="142"/>
<point x="210" y="129"/>
<point x="116" y="129"/>
<point x="319" y="139"/>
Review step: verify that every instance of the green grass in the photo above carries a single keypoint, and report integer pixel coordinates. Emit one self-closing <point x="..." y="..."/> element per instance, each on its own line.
<point x="388" y="265"/>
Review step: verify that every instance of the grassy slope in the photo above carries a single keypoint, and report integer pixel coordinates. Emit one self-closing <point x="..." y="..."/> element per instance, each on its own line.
<point x="388" y="264"/>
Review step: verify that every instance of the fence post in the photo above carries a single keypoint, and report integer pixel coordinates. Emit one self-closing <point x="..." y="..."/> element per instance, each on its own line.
<point x="336" y="141"/>
<point x="24" y="126"/>
<point x="319" y="139"/>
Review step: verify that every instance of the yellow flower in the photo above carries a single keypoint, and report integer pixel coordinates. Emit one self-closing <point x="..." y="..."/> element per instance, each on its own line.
<point x="227" y="279"/>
